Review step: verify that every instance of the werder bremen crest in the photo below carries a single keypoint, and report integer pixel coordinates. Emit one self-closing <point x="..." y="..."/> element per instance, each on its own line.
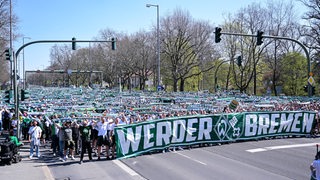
<point x="229" y="127"/>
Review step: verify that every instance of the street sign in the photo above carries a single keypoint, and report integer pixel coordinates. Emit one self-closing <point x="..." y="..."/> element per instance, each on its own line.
<point x="311" y="80"/>
<point x="310" y="73"/>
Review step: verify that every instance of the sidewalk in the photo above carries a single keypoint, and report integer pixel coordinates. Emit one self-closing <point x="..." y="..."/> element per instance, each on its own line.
<point x="33" y="169"/>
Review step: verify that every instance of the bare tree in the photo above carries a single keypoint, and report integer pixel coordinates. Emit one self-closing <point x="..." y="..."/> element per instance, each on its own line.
<point x="246" y="21"/>
<point x="184" y="41"/>
<point x="144" y="58"/>
<point x="282" y="21"/>
<point x="312" y="32"/>
<point x="5" y="36"/>
<point x="313" y="21"/>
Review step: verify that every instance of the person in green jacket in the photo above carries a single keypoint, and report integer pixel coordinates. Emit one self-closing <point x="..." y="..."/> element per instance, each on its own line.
<point x="14" y="139"/>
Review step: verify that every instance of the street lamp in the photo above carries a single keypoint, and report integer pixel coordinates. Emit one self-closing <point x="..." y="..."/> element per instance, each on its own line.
<point x="23" y="70"/>
<point x="158" y="42"/>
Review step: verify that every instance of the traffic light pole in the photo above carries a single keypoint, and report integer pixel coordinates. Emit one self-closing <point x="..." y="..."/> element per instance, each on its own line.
<point x="15" y="57"/>
<point x="284" y="38"/>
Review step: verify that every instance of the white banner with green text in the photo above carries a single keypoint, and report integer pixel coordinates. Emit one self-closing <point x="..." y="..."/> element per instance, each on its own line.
<point x="146" y="136"/>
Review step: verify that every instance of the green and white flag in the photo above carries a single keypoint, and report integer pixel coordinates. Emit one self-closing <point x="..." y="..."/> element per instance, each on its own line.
<point x="138" y="138"/>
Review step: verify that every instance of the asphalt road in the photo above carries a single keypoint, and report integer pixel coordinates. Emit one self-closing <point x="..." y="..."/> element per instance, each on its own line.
<point x="226" y="161"/>
<point x="265" y="159"/>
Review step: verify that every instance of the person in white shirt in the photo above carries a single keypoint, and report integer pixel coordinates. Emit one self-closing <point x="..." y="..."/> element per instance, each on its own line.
<point x="103" y="138"/>
<point x="14" y="125"/>
<point x="315" y="167"/>
<point x="34" y="138"/>
<point x="122" y="120"/>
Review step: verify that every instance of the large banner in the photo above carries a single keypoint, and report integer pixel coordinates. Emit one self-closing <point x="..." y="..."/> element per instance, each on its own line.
<point x="146" y="136"/>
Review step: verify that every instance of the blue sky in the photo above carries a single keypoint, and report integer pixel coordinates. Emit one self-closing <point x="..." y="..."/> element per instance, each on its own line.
<point x="83" y="19"/>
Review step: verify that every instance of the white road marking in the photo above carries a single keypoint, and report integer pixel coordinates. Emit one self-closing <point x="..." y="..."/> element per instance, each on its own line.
<point x="47" y="172"/>
<point x="280" y="147"/>
<point x="127" y="169"/>
<point x="190" y="158"/>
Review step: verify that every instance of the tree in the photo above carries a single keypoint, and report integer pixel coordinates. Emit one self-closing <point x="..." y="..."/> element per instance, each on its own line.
<point x="293" y="74"/>
<point x="313" y="19"/>
<point x="312" y="33"/>
<point x="281" y="22"/>
<point x="246" y="21"/>
<point x="144" y="61"/>
<point x="185" y="46"/>
<point x="5" y="35"/>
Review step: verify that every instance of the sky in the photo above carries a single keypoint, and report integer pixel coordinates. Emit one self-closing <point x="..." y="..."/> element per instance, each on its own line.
<point x="84" y="19"/>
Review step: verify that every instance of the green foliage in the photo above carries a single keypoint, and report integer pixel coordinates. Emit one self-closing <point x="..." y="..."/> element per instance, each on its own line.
<point x="294" y="74"/>
<point x="194" y="83"/>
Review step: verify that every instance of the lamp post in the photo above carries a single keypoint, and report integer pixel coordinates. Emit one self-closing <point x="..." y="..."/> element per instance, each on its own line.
<point x="23" y="65"/>
<point x="158" y="42"/>
<point x="11" y="46"/>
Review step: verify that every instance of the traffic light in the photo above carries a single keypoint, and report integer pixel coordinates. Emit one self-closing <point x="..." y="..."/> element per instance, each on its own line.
<point x="305" y="88"/>
<point x="259" y="38"/>
<point x="7" y="96"/>
<point x="8" y="54"/>
<point x="239" y="61"/>
<point x="74" y="43"/>
<point x="113" y="44"/>
<point x="217" y="34"/>
<point x="24" y="95"/>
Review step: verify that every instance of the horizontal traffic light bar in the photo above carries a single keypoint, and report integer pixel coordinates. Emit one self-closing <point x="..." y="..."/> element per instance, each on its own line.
<point x="61" y="71"/>
<point x="260" y="36"/>
<point x="113" y="41"/>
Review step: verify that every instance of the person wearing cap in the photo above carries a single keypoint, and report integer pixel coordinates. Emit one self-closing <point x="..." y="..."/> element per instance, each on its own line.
<point x="34" y="138"/>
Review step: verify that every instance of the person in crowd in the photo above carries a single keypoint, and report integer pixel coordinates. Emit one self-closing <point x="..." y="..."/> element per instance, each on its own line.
<point x="14" y="125"/>
<point x="122" y="120"/>
<point x="315" y="167"/>
<point x="42" y="125"/>
<point x="94" y="138"/>
<point x="47" y="129"/>
<point x="6" y="118"/>
<point x="75" y="137"/>
<point x="110" y="128"/>
<point x="61" y="138"/>
<point x="68" y="142"/>
<point x="112" y="136"/>
<point x="85" y="134"/>
<point x="14" y="139"/>
<point x="54" y="134"/>
<point x="103" y="138"/>
<point x="34" y="138"/>
<point x="25" y="125"/>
